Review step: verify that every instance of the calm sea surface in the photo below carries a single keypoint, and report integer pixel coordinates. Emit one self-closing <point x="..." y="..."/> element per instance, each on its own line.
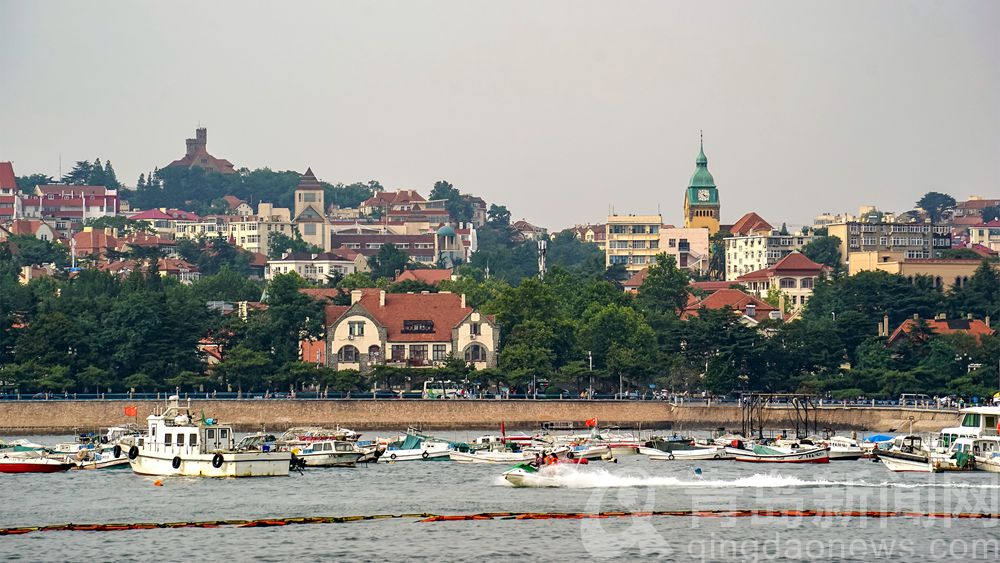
<point x="633" y="484"/>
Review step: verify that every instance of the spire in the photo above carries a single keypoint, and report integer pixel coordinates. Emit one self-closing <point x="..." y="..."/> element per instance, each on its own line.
<point x="702" y="178"/>
<point x="308" y="181"/>
<point x="702" y="159"/>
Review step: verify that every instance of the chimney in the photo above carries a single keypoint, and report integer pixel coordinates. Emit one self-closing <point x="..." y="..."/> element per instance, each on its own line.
<point x="987" y="321"/>
<point x="381" y="298"/>
<point x="885" y="325"/>
<point x="968" y="316"/>
<point x="940" y="317"/>
<point x="463" y="301"/>
<point x="781" y="303"/>
<point x="916" y="317"/>
<point x="356" y="295"/>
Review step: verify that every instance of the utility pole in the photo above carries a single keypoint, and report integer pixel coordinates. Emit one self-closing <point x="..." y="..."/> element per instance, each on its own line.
<point x="542" y="248"/>
<point x="590" y="360"/>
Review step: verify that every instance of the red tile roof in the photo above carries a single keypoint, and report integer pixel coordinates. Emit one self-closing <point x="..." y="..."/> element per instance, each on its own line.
<point x="26" y="226"/>
<point x="398" y="197"/>
<point x="635" y="282"/>
<point x="795" y="264"/>
<point x="750" y="223"/>
<point x="711" y="286"/>
<point x="443" y="309"/>
<point x="151" y="215"/>
<point x="973" y="327"/>
<point x="732" y="299"/>
<point x="7" y="179"/>
<point x="430" y="276"/>
<point x="232" y="201"/>
<point x="983" y="251"/>
<point x="66" y="190"/>
<point x="94" y="242"/>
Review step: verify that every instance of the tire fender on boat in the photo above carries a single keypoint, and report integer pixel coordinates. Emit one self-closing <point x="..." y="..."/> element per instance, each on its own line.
<point x="392" y="456"/>
<point x="717" y="456"/>
<point x="176" y="462"/>
<point x="670" y="456"/>
<point x="117" y="451"/>
<point x="425" y="455"/>
<point x="133" y="452"/>
<point x="217" y="461"/>
<point x="571" y="455"/>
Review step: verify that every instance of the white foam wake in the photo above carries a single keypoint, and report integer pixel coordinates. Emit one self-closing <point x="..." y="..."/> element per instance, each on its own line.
<point x="573" y="477"/>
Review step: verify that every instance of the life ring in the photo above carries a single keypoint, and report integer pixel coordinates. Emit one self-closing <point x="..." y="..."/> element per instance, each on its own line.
<point x="571" y="455"/>
<point x="217" y="461"/>
<point x="133" y="452"/>
<point x="176" y="462"/>
<point x="717" y="456"/>
<point x="670" y="456"/>
<point x="425" y="455"/>
<point x="117" y="451"/>
<point x="392" y="456"/>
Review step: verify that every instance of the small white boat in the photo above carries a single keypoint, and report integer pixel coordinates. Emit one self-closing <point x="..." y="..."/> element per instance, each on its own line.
<point x="326" y="453"/>
<point x="695" y="454"/>
<point x="32" y="464"/>
<point x="416" y="447"/>
<point x="176" y="444"/>
<point x="588" y="451"/>
<point x="767" y="454"/>
<point x="107" y="457"/>
<point x="486" y="456"/>
<point x="524" y="475"/>
<point x="906" y="454"/>
<point x="843" y="448"/>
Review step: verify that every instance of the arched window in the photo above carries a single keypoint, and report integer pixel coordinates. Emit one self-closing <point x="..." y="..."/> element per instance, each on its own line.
<point x="347" y="354"/>
<point x="374" y="354"/>
<point x="807" y="283"/>
<point x="937" y="282"/>
<point x="787" y="283"/>
<point x="958" y="282"/>
<point x="475" y="353"/>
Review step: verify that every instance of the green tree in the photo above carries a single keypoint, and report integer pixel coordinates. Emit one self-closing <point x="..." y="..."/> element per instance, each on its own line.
<point x="388" y="262"/>
<point x="459" y="208"/>
<point x="824" y="250"/>
<point x="990" y="213"/>
<point x="280" y="243"/>
<point x="935" y="204"/>
<point x="27" y="184"/>
<point x="666" y="286"/>
<point x="244" y="368"/>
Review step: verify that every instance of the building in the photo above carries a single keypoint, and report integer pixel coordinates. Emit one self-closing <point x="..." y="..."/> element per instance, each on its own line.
<point x="408" y="329"/>
<point x="973" y="207"/>
<point x="794" y="276"/>
<point x="634" y="241"/>
<point x="318" y="267"/>
<point x="750" y="309"/>
<point x="914" y="240"/>
<point x="209" y="226"/>
<point x="701" y="199"/>
<point x="237" y="206"/>
<point x="986" y="234"/>
<point x="383" y="202"/>
<point x="447" y="246"/>
<point x="939" y="325"/>
<point x="182" y="270"/>
<point x="429" y="276"/>
<point x="10" y="202"/>
<point x="946" y="273"/>
<point x="166" y="222"/>
<point x="197" y="156"/>
<point x="37" y="228"/>
<point x="310" y="217"/>
<point x="524" y="231"/>
<point x="755" y="245"/>
<point x="594" y="234"/>
<point x="253" y="233"/>
<point x="67" y="208"/>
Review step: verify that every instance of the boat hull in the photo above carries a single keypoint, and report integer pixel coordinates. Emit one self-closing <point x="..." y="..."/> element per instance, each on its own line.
<point x="392" y="456"/>
<point x="690" y="455"/>
<point x="903" y="464"/>
<point x="816" y="455"/>
<point x="490" y="457"/>
<point x="33" y="466"/>
<point x="522" y="478"/>
<point x="845" y="454"/>
<point x="243" y="464"/>
<point x="330" y="459"/>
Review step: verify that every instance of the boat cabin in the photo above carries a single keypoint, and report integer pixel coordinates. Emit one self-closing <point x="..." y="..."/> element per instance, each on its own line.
<point x="976" y="422"/>
<point x="175" y="431"/>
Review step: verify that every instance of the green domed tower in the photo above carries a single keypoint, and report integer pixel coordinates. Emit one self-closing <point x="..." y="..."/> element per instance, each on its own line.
<point x="701" y="199"/>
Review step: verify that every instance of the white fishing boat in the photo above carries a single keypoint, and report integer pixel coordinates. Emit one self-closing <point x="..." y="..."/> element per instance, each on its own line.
<point x="906" y="454"/>
<point x="770" y="454"/>
<point x="106" y="457"/>
<point x="416" y="447"/>
<point x="692" y="454"/>
<point x="588" y="451"/>
<point x="176" y="444"/>
<point x="325" y="453"/>
<point x="843" y="448"/>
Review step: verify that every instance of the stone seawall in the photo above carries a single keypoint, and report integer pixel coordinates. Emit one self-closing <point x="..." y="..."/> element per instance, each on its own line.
<point x="31" y="417"/>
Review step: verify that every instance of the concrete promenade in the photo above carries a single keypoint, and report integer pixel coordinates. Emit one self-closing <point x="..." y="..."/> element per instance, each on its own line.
<point x="66" y="416"/>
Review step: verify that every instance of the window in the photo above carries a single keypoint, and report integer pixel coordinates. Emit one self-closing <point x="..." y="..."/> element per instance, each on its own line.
<point x="167" y="439"/>
<point x="347" y="354"/>
<point x="374" y="353"/>
<point x="309" y="228"/>
<point x="807" y="283"/>
<point x="475" y="353"/>
<point x="356" y="328"/>
<point x="180" y="439"/>
<point x="194" y="439"/>
<point x="787" y="283"/>
<point x="418" y="326"/>
<point x="475" y="329"/>
<point x="418" y="352"/>
<point x="440" y="352"/>
<point x="223" y="434"/>
<point x="309" y="197"/>
<point x="398" y="352"/>
<point x="210" y="434"/>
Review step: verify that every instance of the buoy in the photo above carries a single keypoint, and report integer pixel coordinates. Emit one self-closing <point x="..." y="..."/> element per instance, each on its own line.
<point x="158" y="483"/>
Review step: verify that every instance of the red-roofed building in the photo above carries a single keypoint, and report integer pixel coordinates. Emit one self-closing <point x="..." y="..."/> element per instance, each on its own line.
<point x="37" y="228"/>
<point x="197" y="156"/>
<point x="633" y="284"/>
<point x="182" y="270"/>
<point x="595" y="234"/>
<point x="794" y="275"/>
<point x="399" y="200"/>
<point x="318" y="266"/>
<point x="8" y="181"/>
<point x="165" y="221"/>
<point x="429" y="276"/>
<point x="68" y="207"/>
<point x="408" y="329"/>
<point x="750" y="309"/>
<point x="986" y="234"/>
<point x="750" y="224"/>
<point x="238" y="206"/>
<point x="755" y="245"/>
<point x="94" y="242"/>
<point x="941" y="325"/>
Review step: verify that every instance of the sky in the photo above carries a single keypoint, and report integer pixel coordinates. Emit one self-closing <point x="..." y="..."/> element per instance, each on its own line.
<point x="561" y="110"/>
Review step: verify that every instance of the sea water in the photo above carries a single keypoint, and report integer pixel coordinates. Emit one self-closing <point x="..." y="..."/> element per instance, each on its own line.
<point x="633" y="484"/>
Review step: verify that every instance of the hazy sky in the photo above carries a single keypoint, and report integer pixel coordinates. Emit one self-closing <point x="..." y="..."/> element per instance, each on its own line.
<point x="557" y="109"/>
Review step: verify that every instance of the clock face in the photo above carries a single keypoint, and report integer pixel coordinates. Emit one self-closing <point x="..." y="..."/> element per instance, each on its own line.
<point x="702" y="195"/>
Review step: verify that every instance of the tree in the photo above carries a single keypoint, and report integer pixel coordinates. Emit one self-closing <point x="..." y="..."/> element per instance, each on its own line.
<point x="280" y="243"/>
<point x="459" y="208"/>
<point x="498" y="217"/>
<point x="666" y="286"/>
<point x="27" y="184"/>
<point x="244" y="368"/>
<point x="388" y="262"/>
<point x="990" y="213"/>
<point x="824" y="250"/>
<point x="31" y="251"/>
<point x="935" y="204"/>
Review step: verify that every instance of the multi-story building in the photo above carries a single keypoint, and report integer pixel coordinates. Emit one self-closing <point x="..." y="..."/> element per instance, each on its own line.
<point x="756" y="245"/>
<point x="253" y="232"/>
<point x="209" y="226"/>
<point x="634" y="241"/>
<point x="986" y="234"/>
<point x="317" y="266"/>
<point x="310" y="216"/>
<point x="10" y="202"/>
<point x="384" y="202"/>
<point x="794" y="276"/>
<point x="448" y="245"/>
<point x="594" y="234"/>
<point x="68" y="207"/>
<point x="914" y="240"/>
<point x="945" y="273"/>
<point x="406" y="329"/>
<point x="166" y="222"/>
<point x="701" y="198"/>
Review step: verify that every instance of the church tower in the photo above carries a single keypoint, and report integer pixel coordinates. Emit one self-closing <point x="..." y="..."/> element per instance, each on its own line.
<point x="701" y="199"/>
<point x="310" y="215"/>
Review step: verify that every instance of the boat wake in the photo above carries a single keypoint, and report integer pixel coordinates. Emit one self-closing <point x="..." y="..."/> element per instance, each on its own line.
<point x="574" y="478"/>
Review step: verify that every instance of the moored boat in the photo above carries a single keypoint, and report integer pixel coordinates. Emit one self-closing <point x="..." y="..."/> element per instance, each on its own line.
<point x="32" y="464"/>
<point x="906" y="454"/>
<point x="767" y="454"/>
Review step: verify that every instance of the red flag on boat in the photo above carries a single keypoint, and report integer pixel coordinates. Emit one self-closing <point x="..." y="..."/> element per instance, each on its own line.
<point x="130" y="410"/>
<point x="591" y="422"/>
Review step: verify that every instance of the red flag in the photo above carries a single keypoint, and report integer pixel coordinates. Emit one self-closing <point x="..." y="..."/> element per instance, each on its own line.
<point x="130" y="410"/>
<point x="591" y="422"/>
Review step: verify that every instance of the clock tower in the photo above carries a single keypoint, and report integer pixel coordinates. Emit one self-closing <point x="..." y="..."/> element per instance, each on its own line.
<point x="701" y="199"/>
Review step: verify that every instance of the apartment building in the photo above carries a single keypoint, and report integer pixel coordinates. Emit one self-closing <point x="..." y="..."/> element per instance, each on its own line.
<point x="914" y="240"/>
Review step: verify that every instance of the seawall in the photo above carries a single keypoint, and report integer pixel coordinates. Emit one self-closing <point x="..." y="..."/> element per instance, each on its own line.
<point x="59" y="417"/>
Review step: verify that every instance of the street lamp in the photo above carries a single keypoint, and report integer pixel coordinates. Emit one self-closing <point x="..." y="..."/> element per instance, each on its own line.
<point x="590" y="361"/>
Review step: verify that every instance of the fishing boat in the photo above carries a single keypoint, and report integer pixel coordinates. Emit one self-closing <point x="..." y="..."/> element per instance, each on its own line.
<point x="325" y="453"/>
<point x="177" y="444"/>
<point x="843" y="448"/>
<point x="771" y="454"/>
<point x="107" y="457"/>
<point x="32" y="463"/>
<point x="906" y="453"/>
<point x="692" y="454"/>
<point x="416" y="447"/>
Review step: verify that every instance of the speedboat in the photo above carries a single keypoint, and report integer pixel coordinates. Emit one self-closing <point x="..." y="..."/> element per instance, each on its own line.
<point x="770" y="454"/>
<point x="416" y="447"/>
<point x="106" y="457"/>
<point x="525" y="475"/>
<point x="176" y="444"/>
<point x="906" y="454"/>
<point x="32" y="463"/>
<point x="325" y="453"/>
